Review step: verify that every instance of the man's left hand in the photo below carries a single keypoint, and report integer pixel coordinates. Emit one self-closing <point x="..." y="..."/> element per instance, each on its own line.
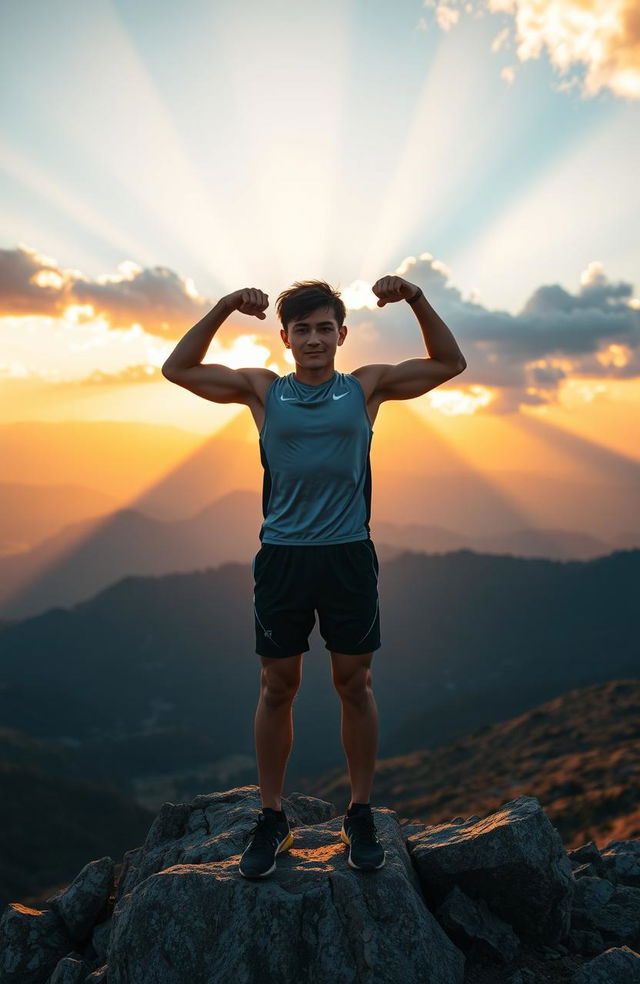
<point x="390" y="289"/>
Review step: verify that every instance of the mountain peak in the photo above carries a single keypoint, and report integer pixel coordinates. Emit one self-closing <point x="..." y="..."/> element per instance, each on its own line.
<point x="499" y="889"/>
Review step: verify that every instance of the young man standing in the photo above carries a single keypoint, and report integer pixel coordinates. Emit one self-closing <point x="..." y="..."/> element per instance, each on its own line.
<point x="315" y="427"/>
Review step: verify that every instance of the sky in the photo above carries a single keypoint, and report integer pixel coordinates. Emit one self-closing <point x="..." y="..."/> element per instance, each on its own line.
<point x="155" y="157"/>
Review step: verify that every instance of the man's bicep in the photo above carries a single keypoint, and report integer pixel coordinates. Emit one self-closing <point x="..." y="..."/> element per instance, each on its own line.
<point x="219" y="383"/>
<point x="410" y="379"/>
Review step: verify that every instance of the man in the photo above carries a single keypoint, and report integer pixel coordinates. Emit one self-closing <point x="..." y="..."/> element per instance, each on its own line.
<point x="315" y="427"/>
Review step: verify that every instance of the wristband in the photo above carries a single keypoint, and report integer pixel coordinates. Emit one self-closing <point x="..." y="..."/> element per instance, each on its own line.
<point x="416" y="297"/>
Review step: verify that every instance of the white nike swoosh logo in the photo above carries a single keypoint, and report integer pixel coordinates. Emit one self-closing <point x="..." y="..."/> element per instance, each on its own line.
<point x="339" y="397"/>
<point x="288" y="397"/>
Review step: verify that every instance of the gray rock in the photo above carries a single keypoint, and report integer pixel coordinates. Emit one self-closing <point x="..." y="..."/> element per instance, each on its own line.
<point x="411" y="826"/>
<point x="587" y="860"/>
<point x="212" y="827"/>
<point x="100" y="938"/>
<point x="198" y="919"/>
<point x="69" y="970"/>
<point x="184" y="913"/>
<point x="587" y="942"/>
<point x="522" y="976"/>
<point x="619" y="965"/>
<point x="169" y="825"/>
<point x="97" y="976"/>
<point x="80" y="903"/>
<point x="310" y="809"/>
<point x="550" y="953"/>
<point x="586" y="854"/>
<point x="477" y="930"/>
<point x="514" y="859"/>
<point x="612" y="910"/>
<point x="32" y="941"/>
<point x="587" y="870"/>
<point x="129" y="872"/>
<point x="621" y="861"/>
<point x="300" y="809"/>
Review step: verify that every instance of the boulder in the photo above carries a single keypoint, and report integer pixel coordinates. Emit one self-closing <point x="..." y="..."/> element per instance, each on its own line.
<point x="32" y="941"/>
<point x="80" y="903"/>
<point x="475" y="929"/>
<point x="611" y="910"/>
<point x="189" y="915"/>
<point x="490" y="896"/>
<point x="513" y="859"/>
<point x="69" y="970"/>
<point x="618" y="965"/>
<point x="621" y="860"/>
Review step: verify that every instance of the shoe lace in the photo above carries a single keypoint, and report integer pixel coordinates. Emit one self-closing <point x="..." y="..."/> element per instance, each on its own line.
<point x="263" y="831"/>
<point x="361" y="826"/>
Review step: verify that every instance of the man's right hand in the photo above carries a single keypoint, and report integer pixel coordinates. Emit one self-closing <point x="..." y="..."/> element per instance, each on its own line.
<point x="249" y="300"/>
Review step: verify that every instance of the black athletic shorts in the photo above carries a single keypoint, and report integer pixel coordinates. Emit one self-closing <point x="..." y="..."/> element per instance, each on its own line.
<point x="339" y="580"/>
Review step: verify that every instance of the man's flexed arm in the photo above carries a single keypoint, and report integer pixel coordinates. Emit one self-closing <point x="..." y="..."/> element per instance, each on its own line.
<point x="439" y="341"/>
<point x="217" y="382"/>
<point x="415" y="377"/>
<point x="191" y="349"/>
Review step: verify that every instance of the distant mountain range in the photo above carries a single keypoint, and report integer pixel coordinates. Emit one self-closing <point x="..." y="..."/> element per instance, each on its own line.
<point x="87" y="556"/>
<point x="51" y="824"/>
<point x="158" y="676"/>
<point x="527" y="475"/>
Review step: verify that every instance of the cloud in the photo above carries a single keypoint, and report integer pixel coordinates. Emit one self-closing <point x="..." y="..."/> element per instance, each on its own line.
<point x="521" y="359"/>
<point x="598" y="39"/>
<point x="157" y="298"/>
<point x="446" y="16"/>
<point x="526" y="357"/>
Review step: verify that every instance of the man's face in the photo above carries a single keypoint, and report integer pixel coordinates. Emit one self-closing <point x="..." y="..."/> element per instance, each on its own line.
<point x="314" y="338"/>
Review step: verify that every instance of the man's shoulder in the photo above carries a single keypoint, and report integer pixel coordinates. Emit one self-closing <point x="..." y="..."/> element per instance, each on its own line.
<point x="258" y="372"/>
<point x="368" y="376"/>
<point x="260" y="379"/>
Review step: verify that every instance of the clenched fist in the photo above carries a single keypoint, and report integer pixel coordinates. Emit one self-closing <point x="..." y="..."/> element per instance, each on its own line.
<point x="390" y="289"/>
<point x="249" y="300"/>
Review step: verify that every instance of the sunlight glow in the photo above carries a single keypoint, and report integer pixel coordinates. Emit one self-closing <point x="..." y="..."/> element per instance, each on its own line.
<point x="242" y="351"/>
<point x="358" y="295"/>
<point x="287" y="113"/>
<point x="174" y="193"/>
<point x="48" y="278"/>
<point x="460" y="401"/>
<point x="577" y="392"/>
<point x="615" y="355"/>
<point x="30" y="175"/>
<point x="430" y="171"/>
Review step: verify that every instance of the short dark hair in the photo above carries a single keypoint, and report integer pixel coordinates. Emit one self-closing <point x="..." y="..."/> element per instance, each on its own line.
<point x="305" y="296"/>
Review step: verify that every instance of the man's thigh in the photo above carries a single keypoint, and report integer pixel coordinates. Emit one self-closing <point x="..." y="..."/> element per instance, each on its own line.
<point x="282" y="601"/>
<point x="348" y="609"/>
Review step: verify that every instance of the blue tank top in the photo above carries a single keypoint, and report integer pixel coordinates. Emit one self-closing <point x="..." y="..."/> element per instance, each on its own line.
<point x="314" y="448"/>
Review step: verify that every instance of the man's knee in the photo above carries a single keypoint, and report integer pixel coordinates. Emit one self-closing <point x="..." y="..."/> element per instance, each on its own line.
<point x="352" y="676"/>
<point x="280" y="679"/>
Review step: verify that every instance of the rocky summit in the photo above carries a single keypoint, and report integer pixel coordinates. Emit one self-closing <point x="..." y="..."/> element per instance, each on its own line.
<point x="471" y="901"/>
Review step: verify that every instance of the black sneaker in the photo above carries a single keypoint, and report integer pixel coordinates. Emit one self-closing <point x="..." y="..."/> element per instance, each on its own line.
<point x="366" y="853"/>
<point x="268" y="837"/>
